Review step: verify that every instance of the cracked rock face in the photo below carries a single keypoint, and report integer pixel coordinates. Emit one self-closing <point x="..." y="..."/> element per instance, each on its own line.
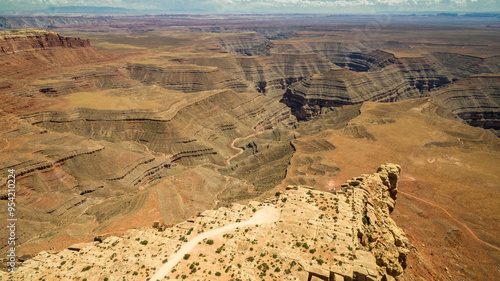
<point x="344" y="234"/>
<point x="389" y="173"/>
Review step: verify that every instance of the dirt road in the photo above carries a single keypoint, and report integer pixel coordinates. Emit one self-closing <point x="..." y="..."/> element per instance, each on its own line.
<point x="265" y="215"/>
<point x="453" y="218"/>
<point x="228" y="161"/>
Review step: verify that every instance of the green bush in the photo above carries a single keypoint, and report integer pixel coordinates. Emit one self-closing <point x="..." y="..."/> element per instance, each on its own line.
<point x="365" y="220"/>
<point x="86" y="268"/>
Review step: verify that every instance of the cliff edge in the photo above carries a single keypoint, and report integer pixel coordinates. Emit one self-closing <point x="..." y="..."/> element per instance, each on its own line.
<point x="13" y="41"/>
<point x="346" y="234"/>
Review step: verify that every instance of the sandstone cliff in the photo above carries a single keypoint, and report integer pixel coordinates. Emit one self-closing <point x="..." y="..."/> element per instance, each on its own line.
<point x="341" y="235"/>
<point x="13" y="41"/>
<point x="31" y="53"/>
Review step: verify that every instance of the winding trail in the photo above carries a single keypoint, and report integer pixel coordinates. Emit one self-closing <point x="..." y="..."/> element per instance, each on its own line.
<point x="453" y="218"/>
<point x="228" y="161"/>
<point x="267" y="214"/>
<point x="8" y="120"/>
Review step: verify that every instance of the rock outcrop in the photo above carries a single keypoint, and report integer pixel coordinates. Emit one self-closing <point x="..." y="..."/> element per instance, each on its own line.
<point x="30" y="53"/>
<point x="345" y="234"/>
<point x="36" y="39"/>
<point x="365" y="61"/>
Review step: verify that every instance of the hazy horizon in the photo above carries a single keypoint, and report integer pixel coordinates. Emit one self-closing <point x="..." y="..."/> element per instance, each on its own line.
<point x="265" y="7"/>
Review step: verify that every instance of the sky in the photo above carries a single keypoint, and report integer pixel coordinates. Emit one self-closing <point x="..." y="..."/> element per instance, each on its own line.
<point x="267" y="6"/>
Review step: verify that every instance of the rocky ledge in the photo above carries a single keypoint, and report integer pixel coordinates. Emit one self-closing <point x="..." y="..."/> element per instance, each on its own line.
<point x="13" y="41"/>
<point x="343" y="234"/>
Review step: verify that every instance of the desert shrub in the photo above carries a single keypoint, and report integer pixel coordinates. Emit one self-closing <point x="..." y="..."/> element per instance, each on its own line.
<point x="86" y="268"/>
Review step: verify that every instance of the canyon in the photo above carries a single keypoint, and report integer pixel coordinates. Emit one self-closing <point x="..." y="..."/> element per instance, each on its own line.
<point x="114" y="125"/>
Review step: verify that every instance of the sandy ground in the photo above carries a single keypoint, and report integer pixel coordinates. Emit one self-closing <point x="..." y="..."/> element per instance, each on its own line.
<point x="266" y="215"/>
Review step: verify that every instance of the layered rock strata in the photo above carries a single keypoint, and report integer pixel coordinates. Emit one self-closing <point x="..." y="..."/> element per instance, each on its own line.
<point x="98" y="169"/>
<point x="185" y="78"/>
<point x="36" y="39"/>
<point x="214" y="121"/>
<point x="269" y="75"/>
<point x="388" y="80"/>
<point x="475" y="100"/>
<point x="249" y="44"/>
<point x="32" y="53"/>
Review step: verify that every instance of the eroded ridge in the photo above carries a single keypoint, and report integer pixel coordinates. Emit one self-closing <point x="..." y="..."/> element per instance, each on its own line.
<point x="298" y="234"/>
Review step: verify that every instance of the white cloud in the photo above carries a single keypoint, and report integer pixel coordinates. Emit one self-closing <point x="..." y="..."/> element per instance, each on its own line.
<point x="309" y="6"/>
<point x="301" y="3"/>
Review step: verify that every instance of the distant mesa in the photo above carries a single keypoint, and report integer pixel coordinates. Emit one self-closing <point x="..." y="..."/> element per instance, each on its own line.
<point x="29" y="53"/>
<point x="14" y="41"/>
